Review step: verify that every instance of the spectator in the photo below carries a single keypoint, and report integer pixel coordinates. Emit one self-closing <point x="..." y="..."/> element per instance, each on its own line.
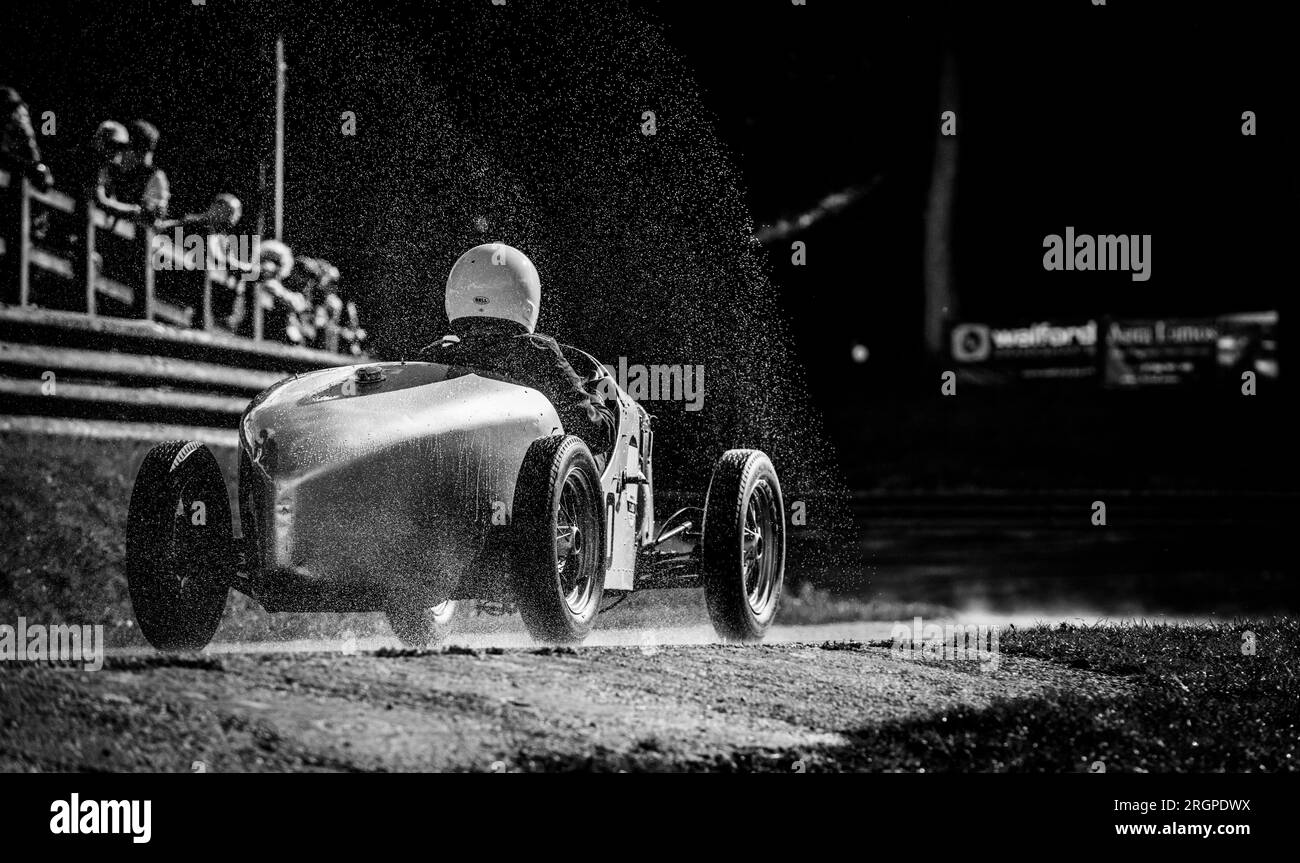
<point x="111" y="144"/>
<point x="141" y="192"/>
<point x="325" y="310"/>
<point x="328" y="319"/>
<point x="352" y="334"/>
<point x="219" y="219"/>
<point x="280" y="306"/>
<point x="137" y="192"/>
<point x="312" y="277"/>
<point x="223" y="214"/>
<point x="221" y="265"/>
<point x="19" y="157"/>
<point x="331" y="323"/>
<point x="217" y="223"/>
<point x="19" y="152"/>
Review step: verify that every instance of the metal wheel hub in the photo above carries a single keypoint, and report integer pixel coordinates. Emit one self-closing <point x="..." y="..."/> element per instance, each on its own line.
<point x="574" y="561"/>
<point x="759" y="568"/>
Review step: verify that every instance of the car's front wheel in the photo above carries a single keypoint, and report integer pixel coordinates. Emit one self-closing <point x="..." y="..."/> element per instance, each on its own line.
<point x="559" y="540"/>
<point x="179" y="548"/>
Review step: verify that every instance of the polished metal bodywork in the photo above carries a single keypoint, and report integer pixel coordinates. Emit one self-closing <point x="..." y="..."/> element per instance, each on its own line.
<point x="365" y="483"/>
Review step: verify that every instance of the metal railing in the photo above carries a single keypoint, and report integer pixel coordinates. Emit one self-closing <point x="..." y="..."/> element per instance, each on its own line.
<point x="133" y="291"/>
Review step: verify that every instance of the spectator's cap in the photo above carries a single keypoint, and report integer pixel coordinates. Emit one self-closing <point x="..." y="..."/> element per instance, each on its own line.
<point x="278" y="254"/>
<point x="226" y="209"/>
<point x="494" y="281"/>
<point x="111" y="135"/>
<point x="10" y="98"/>
<point x="144" y="136"/>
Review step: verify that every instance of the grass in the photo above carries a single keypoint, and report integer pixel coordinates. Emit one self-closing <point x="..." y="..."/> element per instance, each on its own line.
<point x="807" y="605"/>
<point x="1207" y="698"/>
<point x="63" y="505"/>
<point x="63" y="508"/>
<point x="1196" y="703"/>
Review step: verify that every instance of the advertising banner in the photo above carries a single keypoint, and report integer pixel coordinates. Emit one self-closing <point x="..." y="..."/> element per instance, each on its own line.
<point x="1120" y="353"/>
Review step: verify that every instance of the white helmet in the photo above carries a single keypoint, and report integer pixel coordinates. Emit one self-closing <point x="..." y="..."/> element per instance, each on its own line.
<point x="278" y="255"/>
<point x="494" y="281"/>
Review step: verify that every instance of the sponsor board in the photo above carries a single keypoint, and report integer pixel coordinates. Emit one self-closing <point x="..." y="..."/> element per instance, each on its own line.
<point x="1119" y="353"/>
<point x="1183" y="351"/>
<point x="1036" y="351"/>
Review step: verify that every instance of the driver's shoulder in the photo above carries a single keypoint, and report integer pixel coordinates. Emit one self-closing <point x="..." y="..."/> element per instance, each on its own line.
<point x="445" y="347"/>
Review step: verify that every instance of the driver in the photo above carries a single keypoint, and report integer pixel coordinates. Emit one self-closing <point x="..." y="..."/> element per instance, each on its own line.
<point x="493" y="298"/>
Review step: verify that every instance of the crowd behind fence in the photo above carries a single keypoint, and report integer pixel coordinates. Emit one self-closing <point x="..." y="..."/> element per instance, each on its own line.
<point x="114" y="251"/>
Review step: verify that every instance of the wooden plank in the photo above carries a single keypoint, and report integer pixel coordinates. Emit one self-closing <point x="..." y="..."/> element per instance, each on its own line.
<point x="142" y="397"/>
<point x="94" y="363"/>
<point x="123" y="228"/>
<point x="55" y="199"/>
<point x="172" y="314"/>
<point x="115" y="290"/>
<point x="49" y="262"/>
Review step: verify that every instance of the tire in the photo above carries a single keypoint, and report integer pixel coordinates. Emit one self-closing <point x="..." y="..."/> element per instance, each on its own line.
<point x="422" y="627"/>
<point x="743" y="558"/>
<point x="558" y="545"/>
<point x="180" y="559"/>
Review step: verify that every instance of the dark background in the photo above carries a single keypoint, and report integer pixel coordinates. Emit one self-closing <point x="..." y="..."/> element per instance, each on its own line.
<point x="1122" y="118"/>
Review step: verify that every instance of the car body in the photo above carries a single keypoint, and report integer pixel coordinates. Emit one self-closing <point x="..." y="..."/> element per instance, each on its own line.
<point x="406" y="486"/>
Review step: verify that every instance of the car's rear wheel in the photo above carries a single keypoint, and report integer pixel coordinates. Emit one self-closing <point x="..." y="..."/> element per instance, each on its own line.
<point x="559" y="540"/>
<point x="179" y="548"/>
<point x="743" y="545"/>
<point x="422" y="627"/>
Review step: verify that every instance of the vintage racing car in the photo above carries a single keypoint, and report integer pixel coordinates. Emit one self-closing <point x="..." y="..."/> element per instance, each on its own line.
<point x="406" y="487"/>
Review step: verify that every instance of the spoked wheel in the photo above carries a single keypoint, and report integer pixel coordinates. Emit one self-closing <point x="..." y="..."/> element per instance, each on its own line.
<point x="179" y="547"/>
<point x="422" y="627"/>
<point x="559" y="552"/>
<point x="577" y="524"/>
<point x="744" y="545"/>
<point x="759" y="562"/>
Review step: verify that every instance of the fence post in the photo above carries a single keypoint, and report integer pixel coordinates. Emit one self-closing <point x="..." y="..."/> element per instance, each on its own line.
<point x="89" y="262"/>
<point x="24" y="242"/>
<point x="257" y="310"/>
<point x="331" y="335"/>
<point x="207" y="299"/>
<point x="148" y="272"/>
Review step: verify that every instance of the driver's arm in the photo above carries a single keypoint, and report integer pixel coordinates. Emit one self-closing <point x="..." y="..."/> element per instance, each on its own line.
<point x="569" y="383"/>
